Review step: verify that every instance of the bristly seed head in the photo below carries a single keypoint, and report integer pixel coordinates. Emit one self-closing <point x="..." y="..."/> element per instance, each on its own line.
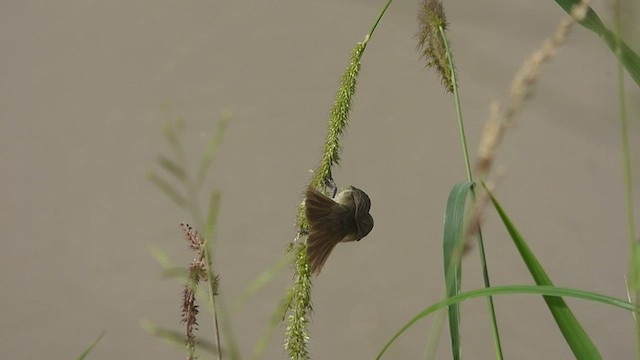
<point x="197" y="273"/>
<point x="431" y="19"/>
<point x="192" y="236"/>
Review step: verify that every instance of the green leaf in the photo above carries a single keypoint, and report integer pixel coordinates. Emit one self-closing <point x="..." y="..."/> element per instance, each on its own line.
<point x="547" y="291"/>
<point x="574" y="334"/>
<point x="90" y="347"/>
<point x="629" y="59"/>
<point x="453" y="246"/>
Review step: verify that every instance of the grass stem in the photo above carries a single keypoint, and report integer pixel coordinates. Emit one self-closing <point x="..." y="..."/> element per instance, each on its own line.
<point x="465" y="151"/>
<point x="634" y="267"/>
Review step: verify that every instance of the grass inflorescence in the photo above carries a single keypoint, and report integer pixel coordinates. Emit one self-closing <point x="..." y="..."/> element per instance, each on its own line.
<point x="432" y="45"/>
<point x="197" y="272"/>
<point x="297" y="335"/>
<point x="299" y="305"/>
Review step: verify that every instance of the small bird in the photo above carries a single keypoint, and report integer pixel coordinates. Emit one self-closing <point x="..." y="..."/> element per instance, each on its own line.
<point x="345" y="218"/>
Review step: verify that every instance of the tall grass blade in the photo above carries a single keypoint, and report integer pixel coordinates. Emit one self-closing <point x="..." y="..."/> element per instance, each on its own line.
<point x="629" y="59"/>
<point x="574" y="334"/>
<point x="453" y="245"/>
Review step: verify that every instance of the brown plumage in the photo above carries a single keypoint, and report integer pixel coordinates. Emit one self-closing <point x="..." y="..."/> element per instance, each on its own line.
<point x="332" y="221"/>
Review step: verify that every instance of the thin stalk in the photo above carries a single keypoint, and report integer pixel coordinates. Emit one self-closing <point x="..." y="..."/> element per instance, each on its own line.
<point x="485" y="276"/>
<point x="212" y="294"/>
<point x="626" y="160"/>
<point x="375" y="25"/>
<point x="465" y="151"/>
<point x="456" y="97"/>
<point x="628" y="180"/>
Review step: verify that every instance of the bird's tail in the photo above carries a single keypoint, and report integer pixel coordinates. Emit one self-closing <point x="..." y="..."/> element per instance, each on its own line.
<point x="327" y="230"/>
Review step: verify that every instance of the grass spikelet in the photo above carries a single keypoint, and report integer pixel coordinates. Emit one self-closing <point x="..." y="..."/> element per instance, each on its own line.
<point x="431" y="41"/>
<point x="338" y="118"/>
<point x="297" y="335"/>
<point x="501" y="117"/>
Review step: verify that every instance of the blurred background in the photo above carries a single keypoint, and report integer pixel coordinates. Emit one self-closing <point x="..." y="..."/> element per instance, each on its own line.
<point x="88" y="85"/>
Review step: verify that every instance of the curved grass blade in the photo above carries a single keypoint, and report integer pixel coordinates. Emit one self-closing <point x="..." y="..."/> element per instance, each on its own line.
<point x="574" y="334"/>
<point x="547" y="291"/>
<point x="453" y="245"/>
<point x="629" y="59"/>
<point x="90" y="347"/>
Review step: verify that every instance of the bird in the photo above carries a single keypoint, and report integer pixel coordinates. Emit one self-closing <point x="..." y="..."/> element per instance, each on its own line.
<point x="344" y="218"/>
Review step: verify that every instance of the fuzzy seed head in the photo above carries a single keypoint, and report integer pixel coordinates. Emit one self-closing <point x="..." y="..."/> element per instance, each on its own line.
<point x="431" y="44"/>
